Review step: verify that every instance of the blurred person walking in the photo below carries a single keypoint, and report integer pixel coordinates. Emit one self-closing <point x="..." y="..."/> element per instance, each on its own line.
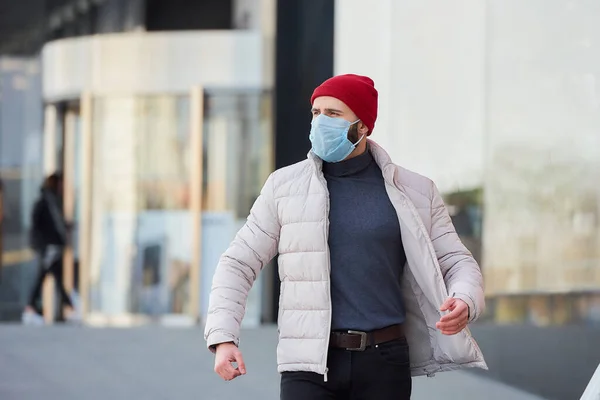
<point x="48" y="237"/>
<point x="376" y="285"/>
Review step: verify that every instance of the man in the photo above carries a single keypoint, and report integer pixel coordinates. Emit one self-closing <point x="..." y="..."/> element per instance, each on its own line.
<point x="48" y="237"/>
<point x="370" y="263"/>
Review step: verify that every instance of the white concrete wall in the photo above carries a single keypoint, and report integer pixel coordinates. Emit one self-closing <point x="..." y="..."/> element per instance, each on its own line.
<point x="145" y="63"/>
<point x="504" y="94"/>
<point x="542" y="192"/>
<point x="427" y="59"/>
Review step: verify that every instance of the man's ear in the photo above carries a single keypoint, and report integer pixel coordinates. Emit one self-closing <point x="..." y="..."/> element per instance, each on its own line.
<point x="362" y="129"/>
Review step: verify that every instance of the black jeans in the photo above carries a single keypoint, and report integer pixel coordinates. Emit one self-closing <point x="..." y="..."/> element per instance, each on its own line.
<point x="56" y="269"/>
<point x="378" y="373"/>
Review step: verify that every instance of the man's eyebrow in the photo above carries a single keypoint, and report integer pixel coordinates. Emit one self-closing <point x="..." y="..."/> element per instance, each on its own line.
<point x="328" y="110"/>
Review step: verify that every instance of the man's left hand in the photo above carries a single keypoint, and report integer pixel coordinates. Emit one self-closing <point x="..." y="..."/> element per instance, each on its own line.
<point x="457" y="319"/>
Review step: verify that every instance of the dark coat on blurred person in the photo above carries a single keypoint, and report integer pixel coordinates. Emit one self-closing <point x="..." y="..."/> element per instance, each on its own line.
<point x="48" y="226"/>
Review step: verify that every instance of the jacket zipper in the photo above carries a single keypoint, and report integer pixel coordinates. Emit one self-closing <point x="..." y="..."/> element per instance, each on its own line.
<point x="324" y="183"/>
<point x="328" y="287"/>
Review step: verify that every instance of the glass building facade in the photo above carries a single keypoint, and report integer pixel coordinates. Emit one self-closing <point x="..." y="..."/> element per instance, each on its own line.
<point x="21" y="174"/>
<point x="141" y="229"/>
<point x="160" y="168"/>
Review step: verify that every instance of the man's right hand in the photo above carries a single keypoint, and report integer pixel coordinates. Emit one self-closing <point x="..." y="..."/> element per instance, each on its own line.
<point x="228" y="353"/>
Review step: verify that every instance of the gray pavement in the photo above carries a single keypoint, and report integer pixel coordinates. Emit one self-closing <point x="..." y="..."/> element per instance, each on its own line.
<point x="61" y="362"/>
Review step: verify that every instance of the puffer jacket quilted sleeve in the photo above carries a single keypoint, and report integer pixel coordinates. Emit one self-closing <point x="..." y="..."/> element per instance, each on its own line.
<point x="461" y="272"/>
<point x="253" y="247"/>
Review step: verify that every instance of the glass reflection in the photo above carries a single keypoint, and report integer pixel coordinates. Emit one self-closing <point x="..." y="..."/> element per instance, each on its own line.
<point x="238" y="157"/>
<point x="141" y="225"/>
<point x="141" y="219"/>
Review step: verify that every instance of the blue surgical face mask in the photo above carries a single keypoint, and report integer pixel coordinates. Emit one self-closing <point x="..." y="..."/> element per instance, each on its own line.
<point x="329" y="138"/>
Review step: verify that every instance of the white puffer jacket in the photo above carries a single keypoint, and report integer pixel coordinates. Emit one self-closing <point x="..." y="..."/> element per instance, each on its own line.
<point x="290" y="218"/>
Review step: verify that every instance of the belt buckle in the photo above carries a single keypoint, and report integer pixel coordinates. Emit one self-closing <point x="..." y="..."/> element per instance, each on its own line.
<point x="363" y="341"/>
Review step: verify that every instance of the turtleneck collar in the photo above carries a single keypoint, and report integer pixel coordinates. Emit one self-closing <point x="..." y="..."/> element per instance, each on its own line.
<point x="349" y="167"/>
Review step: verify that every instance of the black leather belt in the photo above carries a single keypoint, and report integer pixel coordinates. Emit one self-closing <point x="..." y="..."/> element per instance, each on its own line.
<point x="359" y="341"/>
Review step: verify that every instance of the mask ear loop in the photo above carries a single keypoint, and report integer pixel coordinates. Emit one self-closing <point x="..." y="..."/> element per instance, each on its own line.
<point x="359" y="140"/>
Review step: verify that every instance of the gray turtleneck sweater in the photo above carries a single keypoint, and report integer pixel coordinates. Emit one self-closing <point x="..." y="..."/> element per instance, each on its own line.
<point x="367" y="256"/>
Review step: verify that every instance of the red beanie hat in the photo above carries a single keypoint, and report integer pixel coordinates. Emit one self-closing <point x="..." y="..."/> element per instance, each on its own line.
<point x="357" y="92"/>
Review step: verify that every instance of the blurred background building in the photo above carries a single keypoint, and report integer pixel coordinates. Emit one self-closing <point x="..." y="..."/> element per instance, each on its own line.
<point x="167" y="117"/>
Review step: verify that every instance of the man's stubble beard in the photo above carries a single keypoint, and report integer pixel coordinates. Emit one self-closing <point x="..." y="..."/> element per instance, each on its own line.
<point x="353" y="135"/>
